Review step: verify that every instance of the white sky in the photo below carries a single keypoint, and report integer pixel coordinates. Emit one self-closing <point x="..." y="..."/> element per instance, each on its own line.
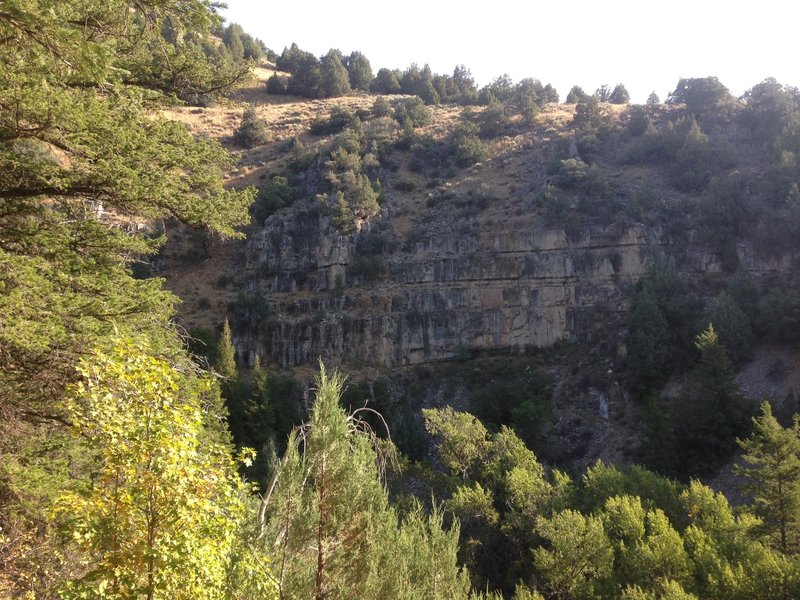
<point x="647" y="46"/>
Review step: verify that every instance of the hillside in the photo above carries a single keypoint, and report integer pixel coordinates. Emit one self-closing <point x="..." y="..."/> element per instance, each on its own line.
<point x="467" y="267"/>
<point x="552" y="323"/>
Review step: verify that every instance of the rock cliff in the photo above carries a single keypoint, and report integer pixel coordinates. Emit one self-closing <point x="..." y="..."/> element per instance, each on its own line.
<point x="438" y="292"/>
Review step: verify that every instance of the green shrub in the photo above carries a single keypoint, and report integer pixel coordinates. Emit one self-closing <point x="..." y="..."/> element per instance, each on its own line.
<point x="412" y="112"/>
<point x="338" y="120"/>
<point x="638" y="121"/>
<point x="368" y="268"/>
<point x="568" y="174"/>
<point x="277" y="84"/>
<point x="252" y="130"/>
<point x="428" y="154"/>
<point x="301" y="156"/>
<point x="275" y="195"/>
<point x="467" y="148"/>
<point x="492" y="121"/>
<point x="381" y="107"/>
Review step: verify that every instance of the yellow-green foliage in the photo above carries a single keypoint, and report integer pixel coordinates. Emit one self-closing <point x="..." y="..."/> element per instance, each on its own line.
<point x="161" y="516"/>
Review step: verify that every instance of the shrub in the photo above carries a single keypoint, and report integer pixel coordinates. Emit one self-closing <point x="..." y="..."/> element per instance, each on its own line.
<point x="404" y="185"/>
<point x="569" y="173"/>
<point x="492" y="121"/>
<point x="300" y="156"/>
<point x="277" y="84"/>
<point x="638" y="122"/>
<point x="428" y="154"/>
<point x="412" y="112"/>
<point x="369" y="268"/>
<point x="252" y="130"/>
<point x="338" y="120"/>
<point x="381" y="107"/>
<point x="467" y="148"/>
<point x="275" y="195"/>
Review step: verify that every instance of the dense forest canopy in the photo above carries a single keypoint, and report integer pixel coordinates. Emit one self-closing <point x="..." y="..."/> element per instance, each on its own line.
<point x="127" y="467"/>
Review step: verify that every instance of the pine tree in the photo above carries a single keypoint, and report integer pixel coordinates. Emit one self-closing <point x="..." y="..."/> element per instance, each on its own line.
<point x="233" y="388"/>
<point x="81" y="139"/>
<point x="329" y="526"/>
<point x="772" y="454"/>
<point x="464" y="443"/>
<point x="650" y="340"/>
<point x="576" y="95"/>
<point x="578" y="553"/>
<point x="80" y="88"/>
<point x="710" y="413"/>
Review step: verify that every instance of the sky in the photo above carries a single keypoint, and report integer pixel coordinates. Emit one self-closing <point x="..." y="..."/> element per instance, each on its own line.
<point x="647" y="46"/>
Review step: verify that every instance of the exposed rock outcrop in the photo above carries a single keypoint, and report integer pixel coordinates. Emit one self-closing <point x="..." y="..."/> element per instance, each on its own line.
<point x="436" y="294"/>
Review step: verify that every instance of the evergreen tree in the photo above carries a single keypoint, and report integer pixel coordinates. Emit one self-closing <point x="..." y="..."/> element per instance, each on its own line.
<point x="772" y="454"/>
<point x="701" y="95"/>
<point x="603" y="93"/>
<point x="732" y="327"/>
<point x="329" y="525"/>
<point x="579" y="553"/>
<point x="710" y="413"/>
<point x="464" y="84"/>
<point x="653" y="99"/>
<point x="359" y="71"/>
<point x="619" y="95"/>
<point x="575" y="95"/>
<point x="232" y="37"/>
<point x="252" y="130"/>
<point x="464" y="443"/>
<point x="306" y="79"/>
<point x="262" y="421"/>
<point x="744" y="292"/>
<point x="84" y="138"/>
<point x="292" y="59"/>
<point x="550" y="94"/>
<point x="387" y="81"/>
<point x="334" y="78"/>
<point x="277" y="84"/>
<point x="233" y="388"/>
<point x="112" y="154"/>
<point x="650" y="346"/>
<point x="225" y="354"/>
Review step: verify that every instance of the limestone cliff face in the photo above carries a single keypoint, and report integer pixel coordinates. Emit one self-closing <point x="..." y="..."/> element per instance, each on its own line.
<point x="443" y="287"/>
<point x="441" y="290"/>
